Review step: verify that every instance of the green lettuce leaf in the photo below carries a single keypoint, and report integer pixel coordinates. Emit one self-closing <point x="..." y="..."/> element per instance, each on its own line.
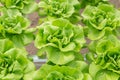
<point x="58" y="57"/>
<point x="106" y="75"/>
<point x="10" y="12"/>
<point x="80" y="65"/>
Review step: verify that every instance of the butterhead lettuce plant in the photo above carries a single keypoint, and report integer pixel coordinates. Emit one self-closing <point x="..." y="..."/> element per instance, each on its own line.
<point x="100" y="19"/>
<point x="68" y="9"/>
<point x="14" y="64"/>
<point x="60" y="39"/>
<point x="15" y="27"/>
<point x="24" y="6"/>
<point x="107" y="58"/>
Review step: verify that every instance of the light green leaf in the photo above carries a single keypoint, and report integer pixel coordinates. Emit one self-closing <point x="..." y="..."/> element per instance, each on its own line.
<point x="58" y="57"/>
<point x="80" y="65"/>
<point x="95" y="34"/>
<point x="106" y="75"/>
<point x="5" y="45"/>
<point x="10" y="12"/>
<point x="29" y="8"/>
<point x="93" y="69"/>
<point x="103" y="46"/>
<point x="87" y="77"/>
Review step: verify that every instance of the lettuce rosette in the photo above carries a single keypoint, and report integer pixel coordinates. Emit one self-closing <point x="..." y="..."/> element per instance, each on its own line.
<point x="100" y="20"/>
<point x="14" y="64"/>
<point x="107" y="59"/>
<point x="24" y="6"/>
<point x="60" y="40"/>
<point x="52" y="9"/>
<point x="55" y="72"/>
<point x="15" y="27"/>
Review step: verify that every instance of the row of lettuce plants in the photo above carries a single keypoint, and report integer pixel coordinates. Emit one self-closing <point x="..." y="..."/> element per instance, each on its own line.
<point x="64" y="28"/>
